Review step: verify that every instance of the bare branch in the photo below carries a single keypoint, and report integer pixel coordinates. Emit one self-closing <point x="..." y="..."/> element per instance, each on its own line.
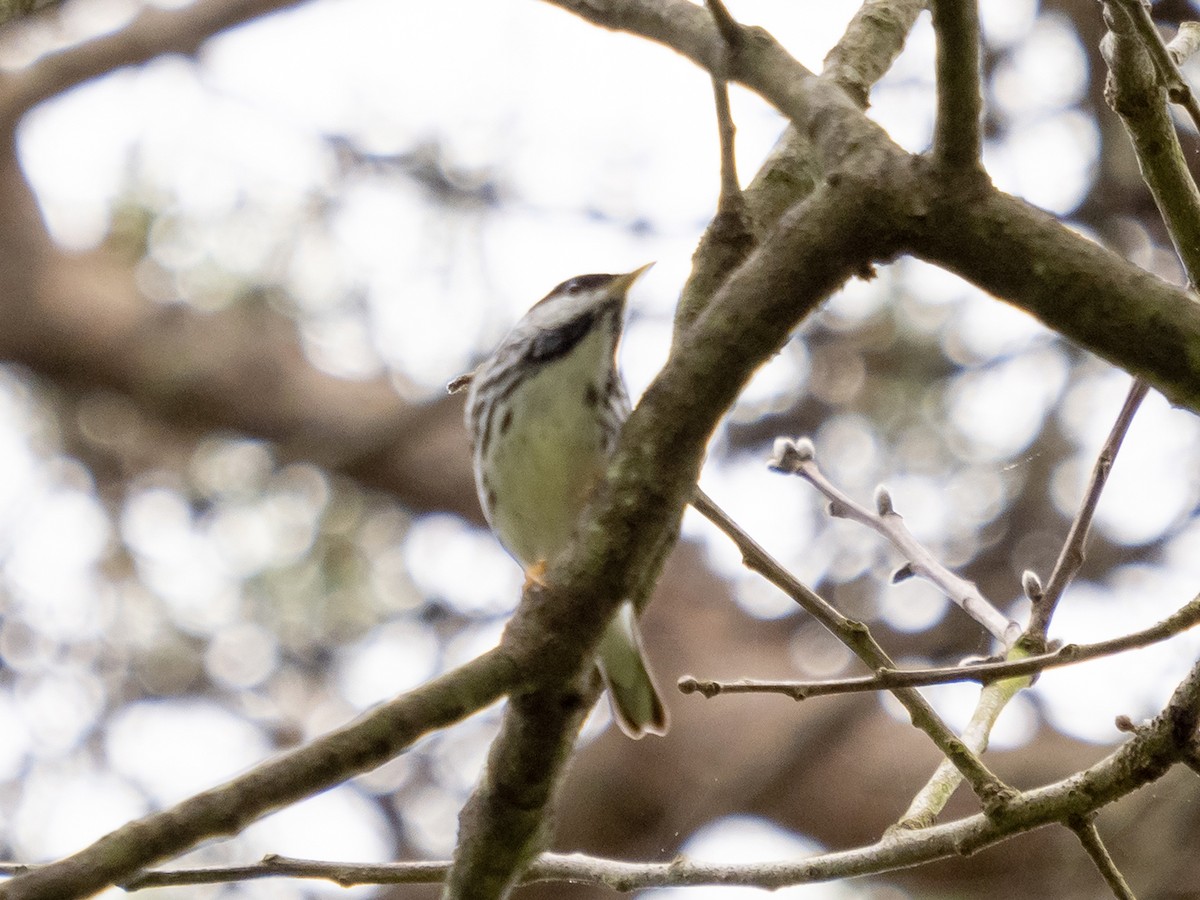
<point x="730" y="236"/>
<point x="1185" y="44"/>
<point x="1138" y="12"/>
<point x="957" y="138"/>
<point x="359" y="747"/>
<point x="871" y="43"/>
<point x="1178" y="622"/>
<point x="992" y="792"/>
<point x="730" y="201"/>
<point x="1152" y="749"/>
<point x="1085" y="829"/>
<point x="502" y="828"/>
<point x="998" y="242"/>
<point x="1136" y="90"/>
<point x="726" y="24"/>
<point x="153" y="33"/>
<point x="799" y="458"/>
<point x="623" y="537"/>
<point x="929" y="802"/>
<point x="1071" y="556"/>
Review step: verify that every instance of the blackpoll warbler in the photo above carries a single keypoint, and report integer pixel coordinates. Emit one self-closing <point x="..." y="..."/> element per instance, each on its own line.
<point x="544" y="411"/>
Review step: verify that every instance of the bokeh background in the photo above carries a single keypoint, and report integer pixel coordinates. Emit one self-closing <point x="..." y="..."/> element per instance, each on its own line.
<point x="235" y="501"/>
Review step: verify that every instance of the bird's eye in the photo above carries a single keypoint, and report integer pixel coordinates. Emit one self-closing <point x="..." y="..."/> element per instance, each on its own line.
<point x="573" y="286"/>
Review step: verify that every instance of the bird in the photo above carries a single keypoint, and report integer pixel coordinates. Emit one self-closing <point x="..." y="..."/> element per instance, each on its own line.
<point x="544" y="412"/>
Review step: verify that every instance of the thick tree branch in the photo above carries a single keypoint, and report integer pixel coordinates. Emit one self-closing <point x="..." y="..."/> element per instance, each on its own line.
<point x="871" y="43"/>
<point x="1164" y="61"/>
<point x="864" y="211"/>
<point x="1086" y="293"/>
<point x="874" y="195"/>
<point x="505" y="822"/>
<point x="1185" y="44"/>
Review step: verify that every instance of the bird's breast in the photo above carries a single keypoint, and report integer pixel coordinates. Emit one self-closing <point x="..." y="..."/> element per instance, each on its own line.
<point x="546" y="449"/>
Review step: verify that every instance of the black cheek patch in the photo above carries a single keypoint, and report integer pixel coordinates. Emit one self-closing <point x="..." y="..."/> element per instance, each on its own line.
<point x="553" y="343"/>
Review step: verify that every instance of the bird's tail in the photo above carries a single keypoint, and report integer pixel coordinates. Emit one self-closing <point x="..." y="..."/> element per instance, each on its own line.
<point x="636" y="705"/>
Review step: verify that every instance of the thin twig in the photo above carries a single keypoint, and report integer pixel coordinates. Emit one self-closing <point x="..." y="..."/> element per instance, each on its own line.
<point x="730" y="237"/>
<point x="1072" y="554"/>
<point x="992" y="792"/>
<point x="730" y="201"/>
<point x="984" y="672"/>
<point x="799" y="458"/>
<point x="1089" y="836"/>
<point x="957" y="140"/>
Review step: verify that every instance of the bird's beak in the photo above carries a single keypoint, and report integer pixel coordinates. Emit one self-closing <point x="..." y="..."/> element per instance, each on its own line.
<point x="622" y="283"/>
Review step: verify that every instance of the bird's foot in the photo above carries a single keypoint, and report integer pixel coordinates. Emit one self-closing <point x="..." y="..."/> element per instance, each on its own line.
<point x="536" y="574"/>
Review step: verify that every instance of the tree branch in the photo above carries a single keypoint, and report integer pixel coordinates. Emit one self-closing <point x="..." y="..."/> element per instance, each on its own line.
<point x="505" y="824"/>
<point x="359" y="747"/>
<point x="871" y="43"/>
<point x="153" y="33"/>
<point x="1137" y="92"/>
<point x="1071" y="557"/>
<point x="634" y="518"/>
<point x="1152" y="750"/>
<point x="1088" y="294"/>
<point x="730" y="237"/>
<point x="1178" y="622"/>
<point x="957" y="138"/>
<point x="799" y="458"/>
<point x="1085" y="829"/>
<point x="992" y="792"/>
<point x="1185" y="44"/>
<point x="1138" y="13"/>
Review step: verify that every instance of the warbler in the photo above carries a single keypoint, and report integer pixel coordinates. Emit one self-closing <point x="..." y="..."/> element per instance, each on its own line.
<point x="544" y="412"/>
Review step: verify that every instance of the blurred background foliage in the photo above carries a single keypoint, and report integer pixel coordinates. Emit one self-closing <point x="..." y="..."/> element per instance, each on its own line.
<point x="235" y="504"/>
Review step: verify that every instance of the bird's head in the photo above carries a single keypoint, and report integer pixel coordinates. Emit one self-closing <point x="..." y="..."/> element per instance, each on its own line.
<point x="558" y="321"/>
